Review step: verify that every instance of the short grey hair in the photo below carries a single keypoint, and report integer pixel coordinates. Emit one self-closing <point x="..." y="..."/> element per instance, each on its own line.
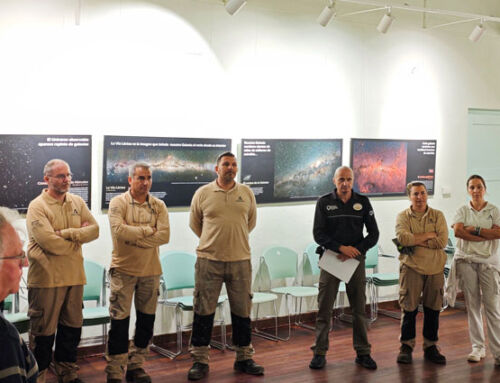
<point x="131" y="168"/>
<point x="340" y="168"/>
<point x="47" y="169"/>
<point x="7" y="217"/>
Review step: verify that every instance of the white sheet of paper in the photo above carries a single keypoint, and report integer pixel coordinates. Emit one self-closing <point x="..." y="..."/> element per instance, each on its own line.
<point x="342" y="270"/>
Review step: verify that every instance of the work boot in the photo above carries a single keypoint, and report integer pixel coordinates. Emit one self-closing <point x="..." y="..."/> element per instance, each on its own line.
<point x="137" y="375"/>
<point x="249" y="366"/>
<point x="317" y="362"/>
<point x="198" y="371"/>
<point x="404" y="356"/>
<point x="433" y="355"/>
<point x="366" y="361"/>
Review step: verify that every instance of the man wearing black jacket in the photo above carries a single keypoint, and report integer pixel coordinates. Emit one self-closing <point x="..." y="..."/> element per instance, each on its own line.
<point x="338" y="226"/>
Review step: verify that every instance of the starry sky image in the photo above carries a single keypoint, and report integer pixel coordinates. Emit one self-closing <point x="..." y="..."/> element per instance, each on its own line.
<point x="22" y="158"/>
<point x="305" y="168"/>
<point x="168" y="165"/>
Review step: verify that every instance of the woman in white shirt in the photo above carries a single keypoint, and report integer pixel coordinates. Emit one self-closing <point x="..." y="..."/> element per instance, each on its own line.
<point x="477" y="262"/>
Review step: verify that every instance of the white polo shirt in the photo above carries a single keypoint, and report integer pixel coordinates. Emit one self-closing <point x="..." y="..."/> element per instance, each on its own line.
<point x="480" y="252"/>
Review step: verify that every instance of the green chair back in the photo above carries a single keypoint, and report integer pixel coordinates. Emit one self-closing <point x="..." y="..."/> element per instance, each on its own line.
<point x="281" y="262"/>
<point x="178" y="270"/>
<point x="371" y="260"/>
<point x="95" y="274"/>
<point x="452" y="241"/>
<point x="312" y="258"/>
<point x="7" y="303"/>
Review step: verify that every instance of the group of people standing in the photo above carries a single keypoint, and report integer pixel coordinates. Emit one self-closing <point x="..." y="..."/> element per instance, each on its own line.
<point x="421" y="236"/>
<point x="222" y="215"/>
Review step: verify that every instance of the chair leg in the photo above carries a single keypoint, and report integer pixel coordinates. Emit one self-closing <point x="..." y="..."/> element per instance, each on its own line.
<point x="178" y="327"/>
<point x="388" y="313"/>
<point x="299" y="321"/>
<point x="222" y="344"/>
<point x="263" y="334"/>
<point x="347" y="318"/>
<point x="373" y="307"/>
<point x="445" y="301"/>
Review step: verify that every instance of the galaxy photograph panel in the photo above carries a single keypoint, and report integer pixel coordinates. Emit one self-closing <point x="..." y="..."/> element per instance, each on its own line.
<point x="305" y="168"/>
<point x="22" y="159"/>
<point x="168" y="165"/>
<point x="379" y="166"/>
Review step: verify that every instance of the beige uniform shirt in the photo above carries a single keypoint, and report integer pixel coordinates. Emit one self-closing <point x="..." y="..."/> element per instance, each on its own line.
<point x="55" y="260"/>
<point x="138" y="230"/>
<point x="428" y="260"/>
<point x="222" y="220"/>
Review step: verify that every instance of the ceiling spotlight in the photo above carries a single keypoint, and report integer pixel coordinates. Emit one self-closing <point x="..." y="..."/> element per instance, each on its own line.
<point x="386" y="22"/>
<point x="476" y="33"/>
<point x="233" y="6"/>
<point x="327" y="15"/>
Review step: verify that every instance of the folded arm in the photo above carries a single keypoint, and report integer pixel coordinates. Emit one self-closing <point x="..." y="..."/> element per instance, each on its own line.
<point x="86" y="233"/>
<point x="161" y="233"/>
<point x="45" y="236"/>
<point x="119" y="227"/>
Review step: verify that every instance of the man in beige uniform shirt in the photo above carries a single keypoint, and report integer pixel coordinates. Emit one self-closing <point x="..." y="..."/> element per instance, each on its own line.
<point x="423" y="233"/>
<point x="139" y="225"/>
<point x="223" y="213"/>
<point x="58" y="224"/>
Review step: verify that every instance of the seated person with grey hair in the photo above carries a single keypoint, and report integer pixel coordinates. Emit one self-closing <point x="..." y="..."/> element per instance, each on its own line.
<point x="17" y="363"/>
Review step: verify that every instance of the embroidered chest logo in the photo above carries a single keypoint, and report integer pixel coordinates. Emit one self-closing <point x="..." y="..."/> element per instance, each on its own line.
<point x="331" y="207"/>
<point x="357" y="206"/>
<point x="75" y="212"/>
<point x="239" y="199"/>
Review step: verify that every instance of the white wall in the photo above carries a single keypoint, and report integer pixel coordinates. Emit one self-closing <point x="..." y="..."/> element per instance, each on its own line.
<point x="186" y="68"/>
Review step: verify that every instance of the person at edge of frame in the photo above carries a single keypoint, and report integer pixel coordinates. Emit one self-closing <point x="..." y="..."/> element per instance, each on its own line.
<point x="17" y="363"/>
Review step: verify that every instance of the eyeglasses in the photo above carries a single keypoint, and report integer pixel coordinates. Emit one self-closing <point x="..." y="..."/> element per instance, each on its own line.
<point x="62" y="177"/>
<point x="21" y="257"/>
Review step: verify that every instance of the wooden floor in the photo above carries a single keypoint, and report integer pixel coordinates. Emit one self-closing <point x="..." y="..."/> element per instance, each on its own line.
<point x="288" y="361"/>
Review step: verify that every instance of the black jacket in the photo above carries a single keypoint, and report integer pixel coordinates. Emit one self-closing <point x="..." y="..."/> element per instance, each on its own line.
<point x="336" y="223"/>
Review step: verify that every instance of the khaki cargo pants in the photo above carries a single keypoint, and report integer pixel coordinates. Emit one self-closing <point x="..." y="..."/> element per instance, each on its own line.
<point x="145" y="291"/>
<point x="209" y="276"/>
<point x="412" y="286"/>
<point x="49" y="307"/>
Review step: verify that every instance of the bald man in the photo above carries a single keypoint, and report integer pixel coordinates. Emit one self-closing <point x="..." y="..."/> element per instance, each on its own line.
<point x="339" y="221"/>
